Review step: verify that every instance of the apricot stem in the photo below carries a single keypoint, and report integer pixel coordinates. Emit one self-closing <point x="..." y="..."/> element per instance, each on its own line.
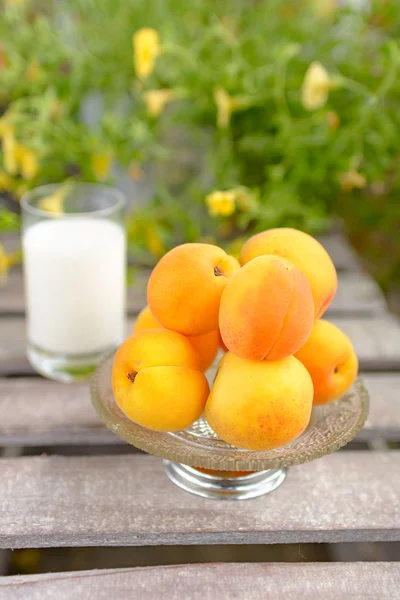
<point x="131" y="376"/>
<point x="217" y="272"/>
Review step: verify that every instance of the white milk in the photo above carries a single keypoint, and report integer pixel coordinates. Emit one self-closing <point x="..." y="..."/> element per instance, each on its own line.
<point x="75" y="284"/>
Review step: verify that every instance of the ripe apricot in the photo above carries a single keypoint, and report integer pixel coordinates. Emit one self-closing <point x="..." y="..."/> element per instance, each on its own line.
<point x="206" y="345"/>
<point x="329" y="357"/>
<point x="185" y="287"/>
<point x="156" y="382"/>
<point x="259" y="405"/>
<point x="266" y="310"/>
<point x="305" y="252"/>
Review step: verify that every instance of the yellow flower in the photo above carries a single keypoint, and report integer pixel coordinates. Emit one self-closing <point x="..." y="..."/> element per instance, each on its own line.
<point x="156" y="100"/>
<point x="146" y="47"/>
<point x="6" y="262"/>
<point x="16" y="157"/>
<point x="227" y="104"/>
<point x="5" y="126"/>
<point x="10" y="149"/>
<point x="54" y="203"/>
<point x="224" y="107"/>
<point x="316" y="86"/>
<point x="221" y="203"/>
<point x="134" y="171"/>
<point x="28" y="162"/>
<point x="101" y="164"/>
<point x="6" y="182"/>
<point x="352" y="180"/>
<point x="154" y="242"/>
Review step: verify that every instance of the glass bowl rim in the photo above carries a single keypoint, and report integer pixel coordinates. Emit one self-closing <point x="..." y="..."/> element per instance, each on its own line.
<point x="170" y="446"/>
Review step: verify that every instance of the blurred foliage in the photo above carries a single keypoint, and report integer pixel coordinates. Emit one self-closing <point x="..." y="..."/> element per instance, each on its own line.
<point x="251" y="114"/>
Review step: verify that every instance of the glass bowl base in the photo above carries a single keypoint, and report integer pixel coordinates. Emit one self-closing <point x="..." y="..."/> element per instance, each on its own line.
<point x="224" y="485"/>
<point x="64" y="367"/>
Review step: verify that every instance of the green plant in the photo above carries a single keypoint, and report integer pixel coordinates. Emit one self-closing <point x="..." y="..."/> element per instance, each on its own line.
<point x="283" y="107"/>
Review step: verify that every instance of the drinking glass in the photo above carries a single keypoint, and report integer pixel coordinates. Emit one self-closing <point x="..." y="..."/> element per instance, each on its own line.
<point x="74" y="255"/>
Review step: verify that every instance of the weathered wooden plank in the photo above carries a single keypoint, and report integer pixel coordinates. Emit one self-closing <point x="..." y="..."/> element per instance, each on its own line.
<point x="384" y="413"/>
<point x="275" y="581"/>
<point x="10" y="241"/>
<point x="12" y="346"/>
<point x="128" y="500"/>
<point x="36" y="412"/>
<point x="339" y="249"/>
<point x="358" y="294"/>
<point x="376" y="341"/>
<point x="12" y="299"/>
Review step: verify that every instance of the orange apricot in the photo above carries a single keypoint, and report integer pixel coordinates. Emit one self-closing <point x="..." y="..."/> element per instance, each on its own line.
<point x="305" y="252"/>
<point x="206" y="345"/>
<point x="185" y="287"/>
<point x="329" y="357"/>
<point x="146" y="320"/>
<point x="259" y="405"/>
<point x="266" y="310"/>
<point x="155" y="380"/>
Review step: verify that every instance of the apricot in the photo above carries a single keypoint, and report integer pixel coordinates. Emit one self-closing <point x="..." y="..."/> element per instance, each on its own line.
<point x="259" y="405"/>
<point x="155" y="380"/>
<point x="266" y="310"/>
<point x="156" y="347"/>
<point x="185" y="287"/>
<point x="329" y="357"/>
<point x="305" y="252"/>
<point x="221" y="343"/>
<point x="206" y="345"/>
<point x="146" y="320"/>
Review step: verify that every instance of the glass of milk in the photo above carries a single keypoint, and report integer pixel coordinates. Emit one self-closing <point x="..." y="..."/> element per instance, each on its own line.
<point x="74" y="254"/>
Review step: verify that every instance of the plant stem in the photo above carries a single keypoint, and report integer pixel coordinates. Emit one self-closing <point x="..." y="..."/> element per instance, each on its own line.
<point x="379" y="96"/>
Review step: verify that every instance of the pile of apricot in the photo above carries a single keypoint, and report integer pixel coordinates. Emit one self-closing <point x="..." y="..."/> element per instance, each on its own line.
<point x="264" y="314"/>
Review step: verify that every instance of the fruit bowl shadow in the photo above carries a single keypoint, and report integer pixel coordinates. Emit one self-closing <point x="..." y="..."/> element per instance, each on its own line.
<point x="200" y="462"/>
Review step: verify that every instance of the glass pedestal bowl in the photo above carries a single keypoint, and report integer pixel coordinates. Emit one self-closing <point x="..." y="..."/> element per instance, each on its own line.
<point x="197" y="460"/>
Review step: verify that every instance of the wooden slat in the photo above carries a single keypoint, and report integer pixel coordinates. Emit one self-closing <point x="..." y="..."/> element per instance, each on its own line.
<point x="339" y="249"/>
<point x="275" y="581"/>
<point x="36" y="412"/>
<point x="12" y="346"/>
<point x="384" y="413"/>
<point x="12" y="299"/>
<point x="357" y="294"/>
<point x="376" y="341"/>
<point x="128" y="500"/>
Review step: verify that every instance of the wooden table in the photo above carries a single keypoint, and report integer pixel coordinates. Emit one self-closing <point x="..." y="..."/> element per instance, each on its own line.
<point x="126" y="500"/>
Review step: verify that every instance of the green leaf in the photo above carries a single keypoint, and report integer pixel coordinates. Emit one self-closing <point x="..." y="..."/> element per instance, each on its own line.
<point x="9" y="221"/>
